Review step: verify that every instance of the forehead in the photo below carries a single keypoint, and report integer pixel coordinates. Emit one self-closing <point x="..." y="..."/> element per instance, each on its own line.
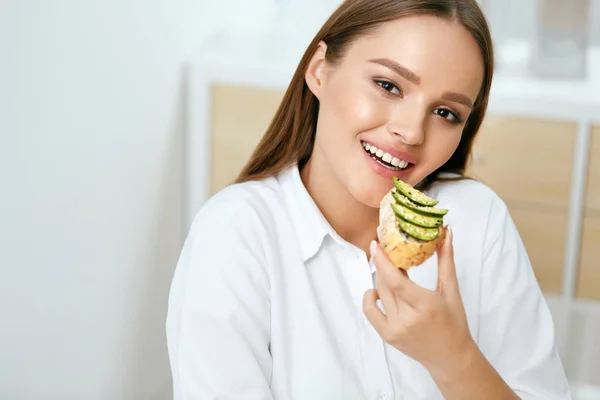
<point x="436" y="49"/>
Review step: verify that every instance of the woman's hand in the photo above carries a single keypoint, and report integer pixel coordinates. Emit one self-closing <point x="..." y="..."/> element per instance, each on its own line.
<point x="431" y="327"/>
<point x="428" y="326"/>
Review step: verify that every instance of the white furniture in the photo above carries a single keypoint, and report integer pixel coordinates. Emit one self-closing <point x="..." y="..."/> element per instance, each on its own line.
<point x="255" y="61"/>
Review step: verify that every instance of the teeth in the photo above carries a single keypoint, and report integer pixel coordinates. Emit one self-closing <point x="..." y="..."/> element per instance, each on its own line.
<point x="386" y="157"/>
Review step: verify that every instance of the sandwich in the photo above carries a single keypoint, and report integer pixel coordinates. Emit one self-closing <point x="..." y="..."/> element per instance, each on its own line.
<point x="411" y="227"/>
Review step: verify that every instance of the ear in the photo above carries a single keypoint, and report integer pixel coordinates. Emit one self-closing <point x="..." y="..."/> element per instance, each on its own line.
<point x="315" y="73"/>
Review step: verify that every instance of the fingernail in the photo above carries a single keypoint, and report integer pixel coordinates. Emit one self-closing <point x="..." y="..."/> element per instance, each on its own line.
<point x="373" y="248"/>
<point x="450" y="236"/>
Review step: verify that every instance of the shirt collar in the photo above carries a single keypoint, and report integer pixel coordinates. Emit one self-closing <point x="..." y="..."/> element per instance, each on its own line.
<point x="306" y="218"/>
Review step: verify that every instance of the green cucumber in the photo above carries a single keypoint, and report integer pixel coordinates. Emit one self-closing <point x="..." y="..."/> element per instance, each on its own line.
<point x="415" y="218"/>
<point x="430" y="211"/>
<point x="413" y="194"/>
<point x="418" y="232"/>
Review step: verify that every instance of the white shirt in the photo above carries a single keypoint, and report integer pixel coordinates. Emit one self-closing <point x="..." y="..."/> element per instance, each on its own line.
<point x="266" y="302"/>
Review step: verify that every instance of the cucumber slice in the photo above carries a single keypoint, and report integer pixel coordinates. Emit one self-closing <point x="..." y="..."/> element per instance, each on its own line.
<point x="413" y="194"/>
<point x="416" y="218"/>
<point x="418" y="232"/>
<point x="431" y="211"/>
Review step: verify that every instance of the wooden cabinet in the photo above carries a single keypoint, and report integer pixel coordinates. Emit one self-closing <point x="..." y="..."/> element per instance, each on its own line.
<point x="239" y="119"/>
<point x="588" y="284"/>
<point x="593" y="189"/>
<point x="528" y="162"/>
<point x="543" y="235"/>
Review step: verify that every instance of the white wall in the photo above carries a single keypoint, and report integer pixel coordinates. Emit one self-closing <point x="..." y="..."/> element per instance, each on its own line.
<point x="91" y="121"/>
<point x="90" y="129"/>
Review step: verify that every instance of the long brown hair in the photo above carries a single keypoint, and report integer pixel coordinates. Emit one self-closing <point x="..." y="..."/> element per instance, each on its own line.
<point x="290" y="137"/>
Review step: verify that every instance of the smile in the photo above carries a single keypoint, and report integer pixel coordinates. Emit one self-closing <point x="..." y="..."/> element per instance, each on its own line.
<point x="385" y="159"/>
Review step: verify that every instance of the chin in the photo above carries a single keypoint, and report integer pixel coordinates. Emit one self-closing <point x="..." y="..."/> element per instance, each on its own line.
<point x="414" y="179"/>
<point x="369" y="199"/>
<point x="370" y="194"/>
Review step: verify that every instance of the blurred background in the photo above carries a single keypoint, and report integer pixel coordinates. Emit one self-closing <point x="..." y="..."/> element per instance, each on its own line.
<point x="119" y="118"/>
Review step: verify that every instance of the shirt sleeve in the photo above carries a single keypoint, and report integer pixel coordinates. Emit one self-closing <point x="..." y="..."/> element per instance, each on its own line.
<point x="516" y="332"/>
<point x="218" y="322"/>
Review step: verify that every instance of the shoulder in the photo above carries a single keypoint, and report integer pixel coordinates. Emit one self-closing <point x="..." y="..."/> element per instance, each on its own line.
<point x="468" y="196"/>
<point x="479" y="214"/>
<point x="230" y="235"/>
<point x="224" y="253"/>
<point x="238" y="209"/>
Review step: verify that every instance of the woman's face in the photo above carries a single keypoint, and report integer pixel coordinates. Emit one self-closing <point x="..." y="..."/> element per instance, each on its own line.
<point x="395" y="105"/>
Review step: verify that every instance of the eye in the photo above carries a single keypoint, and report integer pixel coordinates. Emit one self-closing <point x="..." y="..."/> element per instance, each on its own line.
<point x="389" y="87"/>
<point x="448" y="115"/>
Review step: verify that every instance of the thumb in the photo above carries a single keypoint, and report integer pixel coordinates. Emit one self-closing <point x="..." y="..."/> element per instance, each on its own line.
<point x="447" y="280"/>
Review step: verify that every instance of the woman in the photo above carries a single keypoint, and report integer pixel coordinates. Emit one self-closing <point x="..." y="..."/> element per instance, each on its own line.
<point x="274" y="296"/>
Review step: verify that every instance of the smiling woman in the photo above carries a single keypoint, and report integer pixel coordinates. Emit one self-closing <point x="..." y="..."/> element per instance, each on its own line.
<point x="277" y="287"/>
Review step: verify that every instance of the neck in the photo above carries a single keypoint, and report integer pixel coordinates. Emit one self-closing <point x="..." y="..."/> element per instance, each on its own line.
<point x="354" y="221"/>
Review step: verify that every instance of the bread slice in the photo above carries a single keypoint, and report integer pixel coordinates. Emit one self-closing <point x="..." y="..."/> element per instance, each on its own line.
<point x="404" y="251"/>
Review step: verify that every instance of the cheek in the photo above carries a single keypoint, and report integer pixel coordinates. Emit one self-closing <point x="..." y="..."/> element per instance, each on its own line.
<point x="352" y="110"/>
<point x="441" y="148"/>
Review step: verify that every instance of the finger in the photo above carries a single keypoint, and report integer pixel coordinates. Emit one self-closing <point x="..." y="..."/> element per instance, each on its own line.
<point x="372" y="311"/>
<point x="401" y="309"/>
<point x="393" y="279"/>
<point x="447" y="279"/>
<point x="386" y="294"/>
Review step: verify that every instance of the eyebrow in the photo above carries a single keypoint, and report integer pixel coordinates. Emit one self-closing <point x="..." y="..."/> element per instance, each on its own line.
<point x="459" y="98"/>
<point x="397" y="68"/>
<point x="414" y="78"/>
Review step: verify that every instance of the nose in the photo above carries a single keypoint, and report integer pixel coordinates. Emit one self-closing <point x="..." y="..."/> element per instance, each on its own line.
<point x="407" y="124"/>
